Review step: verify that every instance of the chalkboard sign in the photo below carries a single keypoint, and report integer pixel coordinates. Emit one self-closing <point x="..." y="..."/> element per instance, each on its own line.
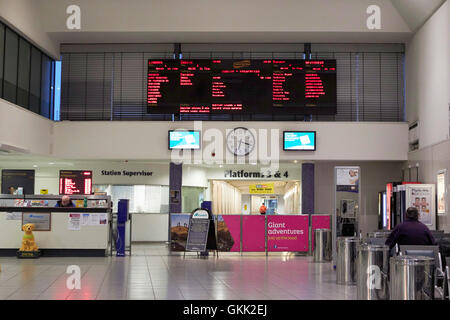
<point x="17" y="179"/>
<point x="197" y="234"/>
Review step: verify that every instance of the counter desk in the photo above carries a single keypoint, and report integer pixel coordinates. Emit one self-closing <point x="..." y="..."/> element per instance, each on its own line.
<point x="76" y="231"/>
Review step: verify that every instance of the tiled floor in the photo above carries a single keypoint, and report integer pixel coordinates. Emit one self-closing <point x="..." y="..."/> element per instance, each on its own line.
<point x="153" y="274"/>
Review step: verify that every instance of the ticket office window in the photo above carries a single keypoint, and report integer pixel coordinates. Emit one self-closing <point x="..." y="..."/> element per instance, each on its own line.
<point x="143" y="198"/>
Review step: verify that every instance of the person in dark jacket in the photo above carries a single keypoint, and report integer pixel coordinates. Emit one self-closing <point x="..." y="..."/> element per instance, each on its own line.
<point x="65" y="202"/>
<point x="411" y="231"/>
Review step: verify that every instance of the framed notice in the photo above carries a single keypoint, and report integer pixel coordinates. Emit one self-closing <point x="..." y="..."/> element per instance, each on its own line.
<point x="441" y="191"/>
<point x="347" y="179"/>
<point x="41" y="221"/>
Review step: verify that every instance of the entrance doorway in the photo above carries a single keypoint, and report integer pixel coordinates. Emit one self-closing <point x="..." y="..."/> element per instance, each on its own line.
<point x="240" y="196"/>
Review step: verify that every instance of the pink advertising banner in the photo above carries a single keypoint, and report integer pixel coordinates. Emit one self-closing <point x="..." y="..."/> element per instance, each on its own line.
<point x="287" y="233"/>
<point x="229" y="233"/>
<point x="253" y="233"/>
<point x="319" y="222"/>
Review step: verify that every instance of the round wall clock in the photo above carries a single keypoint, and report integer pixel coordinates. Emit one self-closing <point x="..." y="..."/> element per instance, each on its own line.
<point x="240" y="141"/>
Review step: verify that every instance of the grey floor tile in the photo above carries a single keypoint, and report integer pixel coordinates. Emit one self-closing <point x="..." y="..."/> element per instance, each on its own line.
<point x="151" y="273"/>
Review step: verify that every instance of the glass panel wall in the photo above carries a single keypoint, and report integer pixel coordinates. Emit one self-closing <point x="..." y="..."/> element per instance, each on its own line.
<point x="35" y="81"/>
<point x="27" y="76"/>
<point x="2" y="52"/>
<point x="23" y="80"/>
<point x="10" y="66"/>
<point x="192" y="198"/>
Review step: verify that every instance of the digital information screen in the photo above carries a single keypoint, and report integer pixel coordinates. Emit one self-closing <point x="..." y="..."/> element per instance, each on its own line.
<point x="299" y="140"/>
<point x="241" y="86"/>
<point x="75" y="182"/>
<point x="184" y="140"/>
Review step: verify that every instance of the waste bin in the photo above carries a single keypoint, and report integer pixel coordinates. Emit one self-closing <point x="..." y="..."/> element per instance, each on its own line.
<point x="322" y="245"/>
<point x="373" y="271"/>
<point x="346" y="260"/>
<point x="412" y="278"/>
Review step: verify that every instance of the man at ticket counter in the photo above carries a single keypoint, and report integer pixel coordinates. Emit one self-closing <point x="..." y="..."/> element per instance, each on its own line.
<point x="65" y="202"/>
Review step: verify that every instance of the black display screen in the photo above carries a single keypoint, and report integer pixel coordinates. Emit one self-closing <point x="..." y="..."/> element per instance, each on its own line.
<point x="15" y="179"/>
<point x="241" y="86"/>
<point x="75" y="182"/>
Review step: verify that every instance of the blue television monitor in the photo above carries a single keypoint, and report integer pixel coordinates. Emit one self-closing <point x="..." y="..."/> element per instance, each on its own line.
<point x="182" y="140"/>
<point x="299" y="140"/>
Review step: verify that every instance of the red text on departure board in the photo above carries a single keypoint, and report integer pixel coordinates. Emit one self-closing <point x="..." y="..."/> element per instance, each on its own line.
<point x="75" y="182"/>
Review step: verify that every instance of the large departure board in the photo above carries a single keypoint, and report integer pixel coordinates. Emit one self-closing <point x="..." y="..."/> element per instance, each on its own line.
<point x="202" y="86"/>
<point x="75" y="182"/>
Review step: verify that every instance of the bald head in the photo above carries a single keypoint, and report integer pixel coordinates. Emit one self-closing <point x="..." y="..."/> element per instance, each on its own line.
<point x="65" y="200"/>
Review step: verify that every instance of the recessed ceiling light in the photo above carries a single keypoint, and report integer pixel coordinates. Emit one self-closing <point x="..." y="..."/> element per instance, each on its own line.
<point x="295" y="161"/>
<point x="51" y="163"/>
<point x="34" y="166"/>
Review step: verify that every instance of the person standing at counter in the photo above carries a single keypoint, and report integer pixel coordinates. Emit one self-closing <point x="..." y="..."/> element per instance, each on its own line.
<point x="410" y="232"/>
<point x="65" y="202"/>
<point x="262" y="209"/>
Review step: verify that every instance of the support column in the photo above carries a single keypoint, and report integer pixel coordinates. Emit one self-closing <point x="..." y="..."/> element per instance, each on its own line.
<point x="175" y="183"/>
<point x="307" y="188"/>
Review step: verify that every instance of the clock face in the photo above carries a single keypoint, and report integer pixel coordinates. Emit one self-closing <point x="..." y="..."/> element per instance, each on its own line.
<point x="241" y="141"/>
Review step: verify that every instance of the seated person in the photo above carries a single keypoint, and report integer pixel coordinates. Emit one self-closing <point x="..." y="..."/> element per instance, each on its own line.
<point x="411" y="232"/>
<point x="65" y="202"/>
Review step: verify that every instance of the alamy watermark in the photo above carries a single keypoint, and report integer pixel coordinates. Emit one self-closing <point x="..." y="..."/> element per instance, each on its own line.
<point x="74" y="280"/>
<point x="224" y="147"/>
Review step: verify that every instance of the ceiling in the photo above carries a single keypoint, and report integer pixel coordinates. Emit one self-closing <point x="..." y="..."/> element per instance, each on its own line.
<point x="134" y="21"/>
<point x="416" y="12"/>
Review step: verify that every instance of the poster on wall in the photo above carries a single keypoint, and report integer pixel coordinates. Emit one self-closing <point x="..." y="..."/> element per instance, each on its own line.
<point x="228" y="233"/>
<point x="441" y="182"/>
<point x="288" y="233"/>
<point x="254" y="233"/>
<point x="179" y="228"/>
<point x="347" y="179"/>
<point x="421" y="198"/>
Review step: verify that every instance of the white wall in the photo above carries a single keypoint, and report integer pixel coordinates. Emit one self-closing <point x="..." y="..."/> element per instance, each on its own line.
<point x="148" y="140"/>
<point x="430" y="160"/>
<point x="23" y="16"/>
<point x="24" y="129"/>
<point x="428" y="78"/>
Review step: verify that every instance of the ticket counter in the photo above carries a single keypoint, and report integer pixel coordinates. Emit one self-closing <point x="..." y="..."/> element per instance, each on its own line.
<point x="78" y="231"/>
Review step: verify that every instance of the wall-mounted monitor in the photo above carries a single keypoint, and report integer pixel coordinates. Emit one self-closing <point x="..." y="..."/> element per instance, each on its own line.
<point x="75" y="182"/>
<point x="299" y="140"/>
<point x="184" y="140"/>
